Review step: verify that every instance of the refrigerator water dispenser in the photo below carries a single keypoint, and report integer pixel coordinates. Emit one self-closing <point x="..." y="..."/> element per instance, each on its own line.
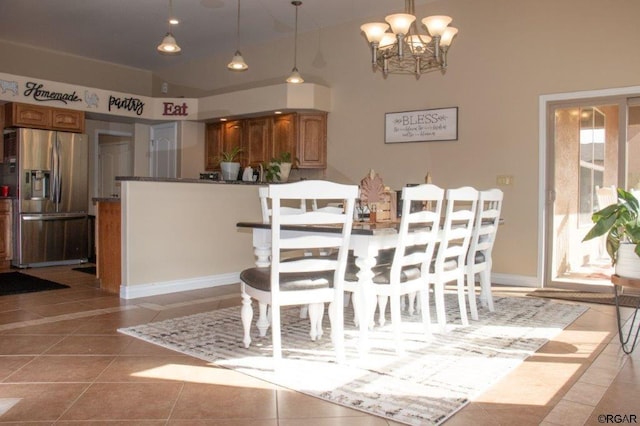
<point x="37" y="183"/>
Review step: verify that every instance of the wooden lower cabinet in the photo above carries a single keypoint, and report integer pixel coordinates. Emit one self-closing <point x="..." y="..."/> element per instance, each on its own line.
<point x="6" y="234"/>
<point x="108" y="240"/>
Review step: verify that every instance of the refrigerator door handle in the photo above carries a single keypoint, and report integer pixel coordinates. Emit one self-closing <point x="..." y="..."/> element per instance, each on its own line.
<point x="54" y="216"/>
<point x="56" y="174"/>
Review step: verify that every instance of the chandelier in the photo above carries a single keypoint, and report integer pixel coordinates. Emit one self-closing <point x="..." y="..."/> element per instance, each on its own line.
<point x="403" y="50"/>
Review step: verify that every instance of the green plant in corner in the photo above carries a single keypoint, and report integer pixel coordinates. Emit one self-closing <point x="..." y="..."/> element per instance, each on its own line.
<point x="620" y="222"/>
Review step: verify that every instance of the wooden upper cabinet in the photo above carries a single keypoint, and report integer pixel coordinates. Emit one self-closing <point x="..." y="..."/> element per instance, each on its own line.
<point x="257" y="147"/>
<point x="304" y="135"/>
<point x="25" y="115"/>
<point x="212" y="146"/>
<point x="312" y="141"/>
<point x="284" y="135"/>
<point x="67" y="120"/>
<point x="43" y="117"/>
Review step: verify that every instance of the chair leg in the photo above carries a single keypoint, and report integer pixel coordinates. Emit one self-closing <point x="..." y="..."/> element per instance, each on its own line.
<point x="336" y="319"/>
<point x="246" y="314"/>
<point x="382" y="307"/>
<point x="355" y="302"/>
<point x="471" y="292"/>
<point x="461" y="300"/>
<point x="423" y="296"/>
<point x="276" y="335"/>
<point x="485" y="287"/>
<point x="263" y="319"/>
<point x="438" y="291"/>
<point x="316" y="312"/>
<point x="303" y="311"/>
<point x="396" y="322"/>
<point x="411" y="309"/>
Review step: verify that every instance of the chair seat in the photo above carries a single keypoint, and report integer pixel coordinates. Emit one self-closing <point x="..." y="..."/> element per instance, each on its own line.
<point x="259" y="278"/>
<point x="409" y="273"/>
<point x="480" y="257"/>
<point x="449" y="265"/>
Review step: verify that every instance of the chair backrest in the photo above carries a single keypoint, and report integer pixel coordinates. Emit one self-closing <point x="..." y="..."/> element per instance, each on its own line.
<point x="286" y="244"/>
<point x="606" y="196"/>
<point x="263" y="193"/>
<point x="458" y="226"/>
<point x="485" y="225"/>
<point x="418" y="232"/>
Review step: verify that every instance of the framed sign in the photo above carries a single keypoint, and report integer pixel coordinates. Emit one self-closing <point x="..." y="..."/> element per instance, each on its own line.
<point x="421" y="126"/>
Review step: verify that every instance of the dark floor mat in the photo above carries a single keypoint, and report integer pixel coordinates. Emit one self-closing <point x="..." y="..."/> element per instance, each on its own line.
<point x="86" y="269"/>
<point x="16" y="283"/>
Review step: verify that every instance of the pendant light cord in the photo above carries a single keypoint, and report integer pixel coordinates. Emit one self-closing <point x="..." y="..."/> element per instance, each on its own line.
<point x="238" y="28"/>
<point x="295" y="39"/>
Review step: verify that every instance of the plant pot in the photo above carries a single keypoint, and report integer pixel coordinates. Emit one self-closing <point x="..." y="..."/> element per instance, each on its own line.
<point x="628" y="262"/>
<point x="285" y="169"/>
<point x="230" y="171"/>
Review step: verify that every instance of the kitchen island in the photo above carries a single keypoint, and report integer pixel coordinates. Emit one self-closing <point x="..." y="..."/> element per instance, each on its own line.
<point x="180" y="234"/>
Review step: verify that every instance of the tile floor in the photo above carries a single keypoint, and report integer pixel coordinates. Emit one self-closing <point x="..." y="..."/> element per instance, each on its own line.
<point x="62" y="362"/>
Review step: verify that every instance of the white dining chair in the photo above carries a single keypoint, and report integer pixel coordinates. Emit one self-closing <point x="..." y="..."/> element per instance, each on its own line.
<point x="479" y="263"/>
<point x="292" y="279"/>
<point x="454" y="239"/>
<point x="408" y="272"/>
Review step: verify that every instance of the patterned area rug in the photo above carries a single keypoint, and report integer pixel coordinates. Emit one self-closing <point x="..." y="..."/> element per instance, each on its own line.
<point x="436" y="376"/>
<point x="627" y="300"/>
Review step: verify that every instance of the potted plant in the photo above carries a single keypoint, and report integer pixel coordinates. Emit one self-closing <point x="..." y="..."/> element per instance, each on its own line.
<point x="621" y="224"/>
<point x="279" y="168"/>
<point x="228" y="165"/>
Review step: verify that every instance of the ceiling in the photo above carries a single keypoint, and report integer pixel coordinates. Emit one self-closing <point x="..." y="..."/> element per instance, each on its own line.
<point x="127" y="31"/>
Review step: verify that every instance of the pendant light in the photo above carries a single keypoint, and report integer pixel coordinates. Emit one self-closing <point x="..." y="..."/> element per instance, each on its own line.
<point x="238" y="63"/>
<point x="169" y="45"/>
<point x="295" y="76"/>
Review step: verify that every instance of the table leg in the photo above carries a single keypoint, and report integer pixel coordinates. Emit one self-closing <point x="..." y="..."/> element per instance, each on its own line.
<point x="367" y="301"/>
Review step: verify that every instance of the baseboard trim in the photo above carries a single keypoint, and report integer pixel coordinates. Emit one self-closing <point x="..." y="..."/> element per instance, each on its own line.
<point x="516" y="280"/>
<point x="166" y="287"/>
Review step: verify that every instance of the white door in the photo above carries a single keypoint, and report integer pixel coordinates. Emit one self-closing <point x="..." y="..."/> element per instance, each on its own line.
<point x="164" y="150"/>
<point x="114" y="159"/>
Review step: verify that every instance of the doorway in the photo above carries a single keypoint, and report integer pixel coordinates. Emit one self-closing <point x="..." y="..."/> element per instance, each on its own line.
<point x="593" y="146"/>
<point x="114" y="159"/>
<point x="164" y="150"/>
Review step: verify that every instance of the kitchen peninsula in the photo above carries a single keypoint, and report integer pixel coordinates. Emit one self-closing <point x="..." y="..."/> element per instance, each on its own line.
<point x="180" y="234"/>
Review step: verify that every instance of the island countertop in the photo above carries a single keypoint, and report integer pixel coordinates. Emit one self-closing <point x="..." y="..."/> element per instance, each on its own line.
<point x="185" y="180"/>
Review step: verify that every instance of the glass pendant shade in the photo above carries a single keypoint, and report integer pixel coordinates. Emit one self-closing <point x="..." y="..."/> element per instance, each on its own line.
<point x="374" y="31"/>
<point x="237" y="63"/>
<point x="388" y="40"/>
<point x="436" y="24"/>
<point x="169" y="44"/>
<point x="447" y="36"/>
<point x="295" y="77"/>
<point x="400" y="22"/>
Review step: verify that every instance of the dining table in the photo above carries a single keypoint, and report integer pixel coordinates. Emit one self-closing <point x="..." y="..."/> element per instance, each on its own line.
<point x="366" y="241"/>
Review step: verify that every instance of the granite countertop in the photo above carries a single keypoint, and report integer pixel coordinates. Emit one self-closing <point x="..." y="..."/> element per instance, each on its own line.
<point x="186" y="180"/>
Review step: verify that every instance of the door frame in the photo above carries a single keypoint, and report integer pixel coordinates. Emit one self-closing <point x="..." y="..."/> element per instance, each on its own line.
<point x="545" y="173"/>
<point x="96" y="154"/>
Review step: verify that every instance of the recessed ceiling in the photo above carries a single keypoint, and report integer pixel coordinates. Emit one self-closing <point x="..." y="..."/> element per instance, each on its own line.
<point x="127" y="31"/>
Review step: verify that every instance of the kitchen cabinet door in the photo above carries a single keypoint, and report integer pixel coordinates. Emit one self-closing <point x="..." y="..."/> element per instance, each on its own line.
<point x="284" y="135"/>
<point x="257" y="147"/>
<point x="67" y="120"/>
<point x="25" y="115"/>
<point x="212" y="146"/>
<point x="232" y="136"/>
<point x="5" y="234"/>
<point x="312" y="141"/>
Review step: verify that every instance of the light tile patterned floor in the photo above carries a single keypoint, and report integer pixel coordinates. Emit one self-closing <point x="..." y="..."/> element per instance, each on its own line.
<point x="62" y="362"/>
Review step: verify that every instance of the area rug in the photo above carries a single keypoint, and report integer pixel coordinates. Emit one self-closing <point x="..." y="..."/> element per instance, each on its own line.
<point x="17" y="283"/>
<point x="86" y="269"/>
<point x="628" y="300"/>
<point x="435" y="377"/>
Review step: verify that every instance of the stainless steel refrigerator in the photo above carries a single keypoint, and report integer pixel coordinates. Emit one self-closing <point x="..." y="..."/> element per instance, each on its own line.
<point x="49" y="176"/>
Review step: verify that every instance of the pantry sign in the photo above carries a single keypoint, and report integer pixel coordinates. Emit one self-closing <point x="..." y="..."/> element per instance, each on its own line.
<point x="421" y="126"/>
